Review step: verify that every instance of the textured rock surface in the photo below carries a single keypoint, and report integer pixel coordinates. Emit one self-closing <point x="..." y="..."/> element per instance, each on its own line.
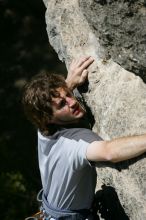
<point x="120" y="27"/>
<point x="116" y="97"/>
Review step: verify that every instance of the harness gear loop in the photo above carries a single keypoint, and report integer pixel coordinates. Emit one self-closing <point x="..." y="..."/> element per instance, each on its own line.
<point x="39" y="196"/>
<point x="37" y="216"/>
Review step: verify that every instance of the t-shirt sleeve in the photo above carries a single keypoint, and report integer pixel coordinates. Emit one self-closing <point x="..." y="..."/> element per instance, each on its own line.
<point x="80" y="148"/>
<point x="74" y="146"/>
<point x="79" y="159"/>
<point x="75" y="153"/>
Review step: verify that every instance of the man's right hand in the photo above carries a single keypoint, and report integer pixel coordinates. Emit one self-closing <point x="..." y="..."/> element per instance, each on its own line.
<point x="77" y="73"/>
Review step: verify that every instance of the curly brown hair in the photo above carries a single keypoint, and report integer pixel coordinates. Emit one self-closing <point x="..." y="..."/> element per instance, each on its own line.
<point x="37" y="98"/>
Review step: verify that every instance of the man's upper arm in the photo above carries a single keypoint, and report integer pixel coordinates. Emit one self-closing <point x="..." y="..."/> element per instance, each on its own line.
<point x="97" y="151"/>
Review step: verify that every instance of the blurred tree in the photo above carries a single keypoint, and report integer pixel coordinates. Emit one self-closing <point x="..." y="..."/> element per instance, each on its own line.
<point x="24" y="53"/>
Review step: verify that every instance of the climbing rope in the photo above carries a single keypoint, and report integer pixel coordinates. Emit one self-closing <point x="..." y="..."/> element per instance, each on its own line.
<point x="39" y="215"/>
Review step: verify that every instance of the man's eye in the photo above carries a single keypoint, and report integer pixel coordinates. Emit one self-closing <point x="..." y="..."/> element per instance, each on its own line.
<point x="62" y="104"/>
<point x="69" y="94"/>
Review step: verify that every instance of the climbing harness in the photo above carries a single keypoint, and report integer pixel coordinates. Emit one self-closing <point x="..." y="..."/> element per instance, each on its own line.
<point x="50" y="213"/>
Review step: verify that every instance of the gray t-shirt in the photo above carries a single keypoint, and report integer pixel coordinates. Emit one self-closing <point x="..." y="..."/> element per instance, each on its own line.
<point x="68" y="178"/>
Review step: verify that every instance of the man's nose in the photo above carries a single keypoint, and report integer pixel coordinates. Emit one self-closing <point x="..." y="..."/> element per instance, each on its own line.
<point x="70" y="101"/>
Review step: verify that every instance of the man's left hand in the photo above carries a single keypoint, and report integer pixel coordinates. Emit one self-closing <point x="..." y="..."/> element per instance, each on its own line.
<point x="78" y="72"/>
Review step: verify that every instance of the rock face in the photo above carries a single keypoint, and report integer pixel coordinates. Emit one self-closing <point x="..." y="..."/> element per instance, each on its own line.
<point x="113" y="33"/>
<point x="120" y="27"/>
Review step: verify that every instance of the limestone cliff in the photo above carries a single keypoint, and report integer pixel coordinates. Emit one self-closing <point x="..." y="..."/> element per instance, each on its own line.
<point x="114" y="33"/>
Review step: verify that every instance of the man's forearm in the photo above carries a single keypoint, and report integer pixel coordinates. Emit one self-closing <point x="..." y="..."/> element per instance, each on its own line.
<point x="126" y="148"/>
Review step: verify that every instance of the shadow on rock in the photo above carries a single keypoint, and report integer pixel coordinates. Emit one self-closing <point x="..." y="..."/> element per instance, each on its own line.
<point x="108" y="204"/>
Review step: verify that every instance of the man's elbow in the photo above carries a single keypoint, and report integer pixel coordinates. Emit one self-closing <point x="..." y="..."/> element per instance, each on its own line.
<point x="111" y="158"/>
<point x="101" y="151"/>
<point x="110" y="155"/>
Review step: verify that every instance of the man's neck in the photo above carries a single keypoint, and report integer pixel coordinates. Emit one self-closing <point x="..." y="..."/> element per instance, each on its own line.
<point x="82" y="123"/>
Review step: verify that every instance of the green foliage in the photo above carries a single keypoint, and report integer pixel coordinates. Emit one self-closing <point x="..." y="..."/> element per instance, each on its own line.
<point x="13" y="182"/>
<point x="15" y="199"/>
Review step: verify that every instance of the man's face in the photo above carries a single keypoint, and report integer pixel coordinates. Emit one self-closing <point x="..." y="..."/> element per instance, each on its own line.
<point x="66" y="109"/>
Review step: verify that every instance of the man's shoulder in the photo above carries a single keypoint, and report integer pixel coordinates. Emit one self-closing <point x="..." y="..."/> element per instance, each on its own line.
<point x="76" y="134"/>
<point x="79" y="134"/>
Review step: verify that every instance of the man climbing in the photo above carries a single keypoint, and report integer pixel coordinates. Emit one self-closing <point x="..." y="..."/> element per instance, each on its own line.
<point x="67" y="148"/>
